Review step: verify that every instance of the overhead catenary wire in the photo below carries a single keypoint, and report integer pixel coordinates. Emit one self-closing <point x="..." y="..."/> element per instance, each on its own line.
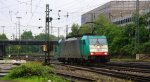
<point x="69" y="12"/>
<point x="39" y="11"/>
<point x="33" y="12"/>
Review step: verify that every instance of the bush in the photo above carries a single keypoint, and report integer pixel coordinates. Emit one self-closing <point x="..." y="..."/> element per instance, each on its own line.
<point x="28" y="70"/>
<point x="55" y="78"/>
<point x="31" y="79"/>
<point x="145" y="48"/>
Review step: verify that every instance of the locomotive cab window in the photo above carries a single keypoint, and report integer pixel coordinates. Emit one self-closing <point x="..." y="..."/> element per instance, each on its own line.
<point x="100" y="41"/>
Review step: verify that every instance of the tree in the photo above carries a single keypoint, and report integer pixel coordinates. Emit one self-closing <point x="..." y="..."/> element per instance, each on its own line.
<point x="74" y="30"/>
<point x="129" y="32"/>
<point x="145" y="48"/>
<point x="143" y="31"/>
<point x="105" y="27"/>
<point x="113" y="33"/>
<point x="43" y="36"/>
<point x="27" y="35"/>
<point x="3" y="37"/>
<point x="84" y="29"/>
<point x="121" y="39"/>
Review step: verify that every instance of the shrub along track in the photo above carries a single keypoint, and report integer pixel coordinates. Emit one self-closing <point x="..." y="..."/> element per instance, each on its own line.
<point x="135" y="74"/>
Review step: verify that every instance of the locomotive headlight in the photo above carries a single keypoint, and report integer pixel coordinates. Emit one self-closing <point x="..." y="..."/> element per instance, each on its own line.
<point x="105" y="53"/>
<point x="98" y="46"/>
<point x="92" y="53"/>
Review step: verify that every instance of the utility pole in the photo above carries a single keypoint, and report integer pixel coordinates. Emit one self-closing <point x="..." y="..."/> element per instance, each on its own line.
<point x="19" y="26"/>
<point x="67" y="24"/>
<point x="16" y="31"/>
<point x="58" y="33"/>
<point x="66" y="30"/>
<point x="19" y="35"/>
<point x="137" y="28"/>
<point x="51" y="28"/>
<point x="31" y="6"/>
<point x="92" y="20"/>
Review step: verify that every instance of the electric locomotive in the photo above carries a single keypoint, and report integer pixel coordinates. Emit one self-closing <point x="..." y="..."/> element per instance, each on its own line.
<point x="87" y="48"/>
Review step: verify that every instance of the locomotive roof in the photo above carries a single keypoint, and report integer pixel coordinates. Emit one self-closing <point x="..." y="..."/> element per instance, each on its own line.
<point x="76" y="36"/>
<point x="81" y="38"/>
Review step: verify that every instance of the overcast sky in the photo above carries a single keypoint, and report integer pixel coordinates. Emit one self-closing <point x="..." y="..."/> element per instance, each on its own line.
<point x="32" y="13"/>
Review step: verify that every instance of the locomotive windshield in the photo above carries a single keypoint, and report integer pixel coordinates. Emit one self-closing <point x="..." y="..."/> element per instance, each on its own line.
<point x="101" y="41"/>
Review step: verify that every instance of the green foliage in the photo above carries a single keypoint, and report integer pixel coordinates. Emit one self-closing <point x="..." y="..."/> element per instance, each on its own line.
<point x="129" y="31"/>
<point x="143" y="35"/>
<point x="105" y="27"/>
<point x="43" y="36"/>
<point x="33" y="72"/>
<point x="121" y="39"/>
<point x="27" y="35"/>
<point x="143" y="20"/>
<point x="113" y="33"/>
<point x="127" y="50"/>
<point x="84" y="29"/>
<point x="55" y="78"/>
<point x="52" y="77"/>
<point x="145" y="47"/>
<point x="74" y="29"/>
<point x="3" y="37"/>
<point x="28" y="70"/>
<point x="29" y="49"/>
<point x="31" y="79"/>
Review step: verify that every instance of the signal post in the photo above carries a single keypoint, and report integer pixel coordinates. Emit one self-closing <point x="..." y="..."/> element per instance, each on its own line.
<point x="46" y="47"/>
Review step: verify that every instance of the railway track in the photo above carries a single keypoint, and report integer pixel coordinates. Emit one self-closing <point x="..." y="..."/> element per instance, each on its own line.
<point x="143" y="65"/>
<point x="5" y="68"/>
<point x="130" y="75"/>
<point x="7" y="65"/>
<point x="134" y="74"/>
<point x="115" y="73"/>
<point x="138" y="72"/>
<point x="74" y="78"/>
<point x="123" y="68"/>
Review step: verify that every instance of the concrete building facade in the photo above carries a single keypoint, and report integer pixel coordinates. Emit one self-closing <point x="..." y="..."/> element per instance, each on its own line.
<point x="118" y="12"/>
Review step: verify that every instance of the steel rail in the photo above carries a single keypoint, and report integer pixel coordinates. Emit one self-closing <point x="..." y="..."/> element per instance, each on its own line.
<point x="75" y="77"/>
<point x="141" y="70"/>
<point x="145" y="65"/>
<point x="114" y="73"/>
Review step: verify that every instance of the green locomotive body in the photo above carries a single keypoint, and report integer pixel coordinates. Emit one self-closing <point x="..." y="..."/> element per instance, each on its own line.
<point x="88" y="48"/>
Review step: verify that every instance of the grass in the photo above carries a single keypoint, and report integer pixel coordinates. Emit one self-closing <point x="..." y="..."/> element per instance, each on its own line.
<point x="52" y="77"/>
<point x="31" y="79"/>
<point x="32" y="72"/>
<point x="23" y="79"/>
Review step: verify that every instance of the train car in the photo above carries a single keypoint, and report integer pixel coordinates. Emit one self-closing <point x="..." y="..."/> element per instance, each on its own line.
<point x="88" y="48"/>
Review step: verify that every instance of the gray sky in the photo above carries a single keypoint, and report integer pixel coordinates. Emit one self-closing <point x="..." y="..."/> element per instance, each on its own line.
<point x="32" y="12"/>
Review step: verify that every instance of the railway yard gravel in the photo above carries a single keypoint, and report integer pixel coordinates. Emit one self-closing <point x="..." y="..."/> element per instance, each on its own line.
<point x="87" y="74"/>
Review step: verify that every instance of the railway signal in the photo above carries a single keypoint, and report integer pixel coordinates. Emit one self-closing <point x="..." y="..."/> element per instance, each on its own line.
<point x="44" y="48"/>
